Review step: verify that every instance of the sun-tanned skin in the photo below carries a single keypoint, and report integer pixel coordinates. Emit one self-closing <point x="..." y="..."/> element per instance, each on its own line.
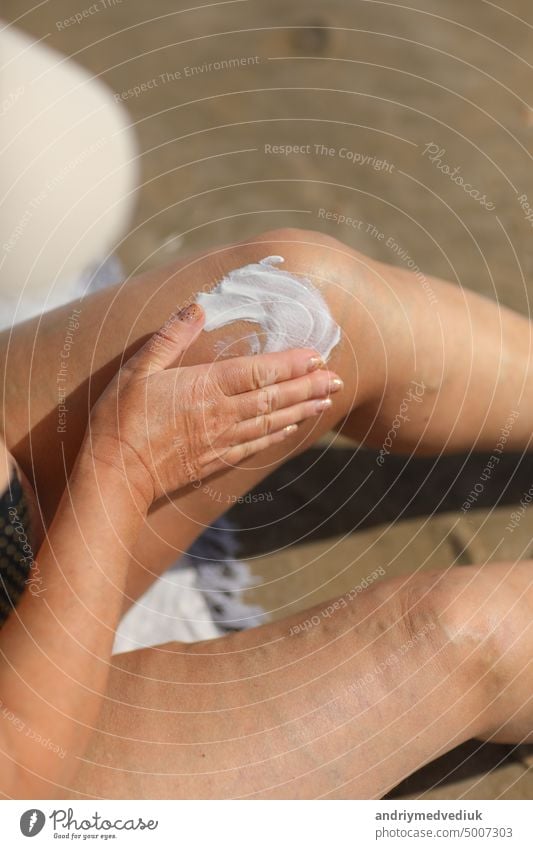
<point x="157" y="426"/>
<point x="264" y="713"/>
<point x="473" y="358"/>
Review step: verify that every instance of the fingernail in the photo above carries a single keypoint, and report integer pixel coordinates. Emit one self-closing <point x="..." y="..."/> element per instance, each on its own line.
<point x="335" y="384"/>
<point x="290" y="429"/>
<point x="314" y="363"/>
<point x="190" y="314"/>
<point x="324" y="404"/>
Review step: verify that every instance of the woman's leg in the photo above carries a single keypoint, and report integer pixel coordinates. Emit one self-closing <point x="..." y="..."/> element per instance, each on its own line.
<point x="337" y="702"/>
<point x="68" y="174"/>
<point x="459" y="363"/>
<point x="392" y="333"/>
<point x="48" y="397"/>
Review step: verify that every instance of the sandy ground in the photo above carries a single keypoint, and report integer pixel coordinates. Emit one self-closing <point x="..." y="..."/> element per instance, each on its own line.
<point x="379" y="81"/>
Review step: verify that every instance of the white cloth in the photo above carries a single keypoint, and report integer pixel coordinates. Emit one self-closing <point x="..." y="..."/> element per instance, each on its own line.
<point x="171" y="609"/>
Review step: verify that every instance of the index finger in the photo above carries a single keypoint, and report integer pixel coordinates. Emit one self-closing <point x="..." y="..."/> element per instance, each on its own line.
<point x="243" y="374"/>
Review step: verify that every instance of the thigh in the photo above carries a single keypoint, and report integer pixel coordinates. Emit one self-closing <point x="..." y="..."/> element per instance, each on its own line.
<point x="339" y="706"/>
<point x="66" y="150"/>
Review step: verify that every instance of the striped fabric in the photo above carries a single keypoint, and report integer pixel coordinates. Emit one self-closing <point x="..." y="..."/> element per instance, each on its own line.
<point x="15" y="551"/>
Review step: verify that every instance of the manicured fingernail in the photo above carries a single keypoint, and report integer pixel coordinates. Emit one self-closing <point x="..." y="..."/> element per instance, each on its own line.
<point x="335" y="384"/>
<point x="290" y="429"/>
<point x="324" y="404"/>
<point x="314" y="363"/>
<point x="190" y="314"/>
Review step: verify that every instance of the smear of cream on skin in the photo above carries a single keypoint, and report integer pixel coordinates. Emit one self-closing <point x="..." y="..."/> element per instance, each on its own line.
<point x="291" y="312"/>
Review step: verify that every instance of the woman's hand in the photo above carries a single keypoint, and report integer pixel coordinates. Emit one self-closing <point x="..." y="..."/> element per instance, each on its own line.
<point x="168" y="426"/>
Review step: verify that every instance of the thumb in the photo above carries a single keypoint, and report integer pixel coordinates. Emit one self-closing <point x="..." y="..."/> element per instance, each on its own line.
<point x="170" y="342"/>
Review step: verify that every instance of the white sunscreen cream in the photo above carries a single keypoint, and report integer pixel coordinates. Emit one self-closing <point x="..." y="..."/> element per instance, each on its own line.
<point x="288" y="308"/>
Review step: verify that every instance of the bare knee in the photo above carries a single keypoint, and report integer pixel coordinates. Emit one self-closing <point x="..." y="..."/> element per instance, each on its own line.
<point x="324" y="259"/>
